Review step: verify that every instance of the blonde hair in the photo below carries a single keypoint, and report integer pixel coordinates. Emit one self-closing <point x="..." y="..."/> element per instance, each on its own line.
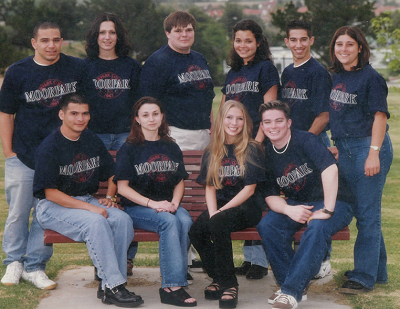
<point x="218" y="150"/>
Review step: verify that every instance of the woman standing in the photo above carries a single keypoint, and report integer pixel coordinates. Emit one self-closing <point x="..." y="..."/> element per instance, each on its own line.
<point x="231" y="167"/>
<point x="149" y="175"/>
<point x="358" y="117"/>
<point x="115" y="76"/>
<point x="253" y="78"/>
<point x="252" y="81"/>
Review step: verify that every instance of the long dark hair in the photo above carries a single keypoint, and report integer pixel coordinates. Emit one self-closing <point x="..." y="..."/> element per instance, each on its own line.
<point x="136" y="135"/>
<point x="262" y="53"/>
<point x="357" y="35"/>
<point x="122" y="48"/>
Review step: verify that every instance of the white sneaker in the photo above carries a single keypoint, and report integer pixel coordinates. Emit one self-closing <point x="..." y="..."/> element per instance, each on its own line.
<point x="324" y="271"/>
<point x="13" y="273"/>
<point x="274" y="297"/>
<point x="285" y="302"/>
<point x="39" y="279"/>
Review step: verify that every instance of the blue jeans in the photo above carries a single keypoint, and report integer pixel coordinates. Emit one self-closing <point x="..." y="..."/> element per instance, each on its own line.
<point x="254" y="253"/>
<point x="293" y="271"/>
<point x="18" y="239"/>
<point x="107" y="240"/>
<point x="113" y="141"/>
<point x="174" y="240"/>
<point x="369" y="250"/>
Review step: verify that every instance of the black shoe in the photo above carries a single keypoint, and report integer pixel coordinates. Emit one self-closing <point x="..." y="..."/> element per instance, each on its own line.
<point x="232" y="301"/>
<point x="352" y="287"/>
<point x="100" y="291"/>
<point x="256" y="272"/>
<point x="189" y="278"/>
<point x="243" y="269"/>
<point x="121" y="297"/>
<point x="176" y="298"/>
<point x="213" y="294"/>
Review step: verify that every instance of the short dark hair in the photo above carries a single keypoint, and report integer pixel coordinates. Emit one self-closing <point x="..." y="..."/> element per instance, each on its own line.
<point x="179" y="19"/>
<point x="122" y="48"/>
<point x="262" y="53"/>
<point x="357" y="35"/>
<point x="299" y="24"/>
<point x="71" y="98"/>
<point x="45" y="25"/>
<point x="276" y="104"/>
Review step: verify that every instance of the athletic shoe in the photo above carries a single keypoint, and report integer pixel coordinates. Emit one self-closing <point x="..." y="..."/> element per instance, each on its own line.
<point x="39" y="279"/>
<point x="13" y="273"/>
<point x="189" y="278"/>
<point x="256" y="272"/>
<point x="352" y="287"/>
<point x="285" y="302"/>
<point x="324" y="271"/>
<point x="273" y="297"/>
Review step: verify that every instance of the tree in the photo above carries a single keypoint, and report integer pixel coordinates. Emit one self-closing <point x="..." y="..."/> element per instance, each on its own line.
<point x="327" y="17"/>
<point x="387" y="29"/>
<point x="233" y="14"/>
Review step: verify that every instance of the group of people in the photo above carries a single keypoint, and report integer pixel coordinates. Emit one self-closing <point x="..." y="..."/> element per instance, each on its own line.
<point x="259" y="148"/>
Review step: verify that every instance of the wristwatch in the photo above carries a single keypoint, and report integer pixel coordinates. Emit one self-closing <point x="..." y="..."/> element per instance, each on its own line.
<point x="376" y="148"/>
<point x="324" y="210"/>
<point x="111" y="198"/>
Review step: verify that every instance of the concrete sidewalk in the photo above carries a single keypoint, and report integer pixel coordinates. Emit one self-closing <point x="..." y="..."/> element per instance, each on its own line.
<point x="77" y="290"/>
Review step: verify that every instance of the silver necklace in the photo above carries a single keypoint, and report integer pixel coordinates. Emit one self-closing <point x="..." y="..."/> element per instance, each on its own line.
<point x="287" y="145"/>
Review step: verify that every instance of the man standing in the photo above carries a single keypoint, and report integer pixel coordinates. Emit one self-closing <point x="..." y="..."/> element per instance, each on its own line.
<point x="179" y="77"/>
<point x="70" y="163"/>
<point x="29" y="100"/>
<point x="306" y="87"/>
<point x="306" y="84"/>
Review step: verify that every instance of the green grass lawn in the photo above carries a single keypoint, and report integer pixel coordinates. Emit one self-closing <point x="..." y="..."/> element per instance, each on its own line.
<point x="385" y="296"/>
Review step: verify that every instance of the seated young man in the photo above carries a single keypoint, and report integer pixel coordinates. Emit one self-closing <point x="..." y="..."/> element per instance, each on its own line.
<point x="300" y="165"/>
<point x="70" y="163"/>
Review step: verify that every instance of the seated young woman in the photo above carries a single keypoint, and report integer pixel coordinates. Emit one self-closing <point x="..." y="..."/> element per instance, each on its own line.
<point x="149" y="174"/>
<point x="232" y="165"/>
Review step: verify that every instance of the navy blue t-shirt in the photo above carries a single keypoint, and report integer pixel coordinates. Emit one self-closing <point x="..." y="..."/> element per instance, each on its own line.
<point x="297" y="171"/>
<point x="73" y="167"/>
<point x="153" y="169"/>
<point x="182" y="82"/>
<point x="232" y="181"/>
<point x="355" y="98"/>
<point x="306" y="90"/>
<point x="116" y="82"/>
<point x="249" y="85"/>
<point x="32" y="92"/>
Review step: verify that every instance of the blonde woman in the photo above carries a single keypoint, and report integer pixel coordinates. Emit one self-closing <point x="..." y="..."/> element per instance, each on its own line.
<point x="231" y="167"/>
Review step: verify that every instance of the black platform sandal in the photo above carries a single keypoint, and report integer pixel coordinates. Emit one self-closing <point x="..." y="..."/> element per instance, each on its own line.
<point x="231" y="302"/>
<point x="176" y="298"/>
<point x="213" y="294"/>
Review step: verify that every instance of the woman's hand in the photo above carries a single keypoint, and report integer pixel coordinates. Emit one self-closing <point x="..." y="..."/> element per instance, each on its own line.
<point x="372" y="165"/>
<point x="299" y="213"/>
<point x="162" y="206"/>
<point x="107" y="202"/>
<point x="215" y="212"/>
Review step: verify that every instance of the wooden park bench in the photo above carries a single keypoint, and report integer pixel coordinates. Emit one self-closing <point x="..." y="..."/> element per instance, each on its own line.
<point x="193" y="201"/>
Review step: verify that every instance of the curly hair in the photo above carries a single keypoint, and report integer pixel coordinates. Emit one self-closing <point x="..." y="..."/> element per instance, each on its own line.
<point x="122" y="48"/>
<point x="263" y="52"/>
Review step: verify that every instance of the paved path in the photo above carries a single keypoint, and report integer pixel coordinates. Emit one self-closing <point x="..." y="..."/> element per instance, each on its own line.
<point x="77" y="290"/>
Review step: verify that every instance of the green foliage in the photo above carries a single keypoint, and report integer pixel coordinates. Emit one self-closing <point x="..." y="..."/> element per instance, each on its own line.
<point x="386" y="27"/>
<point x="326" y="17"/>
<point x="233" y="13"/>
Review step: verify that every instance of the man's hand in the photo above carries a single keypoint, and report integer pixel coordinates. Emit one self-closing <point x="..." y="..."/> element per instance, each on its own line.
<point x="319" y="214"/>
<point x="98" y="210"/>
<point x="335" y="152"/>
<point x="299" y="213"/>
